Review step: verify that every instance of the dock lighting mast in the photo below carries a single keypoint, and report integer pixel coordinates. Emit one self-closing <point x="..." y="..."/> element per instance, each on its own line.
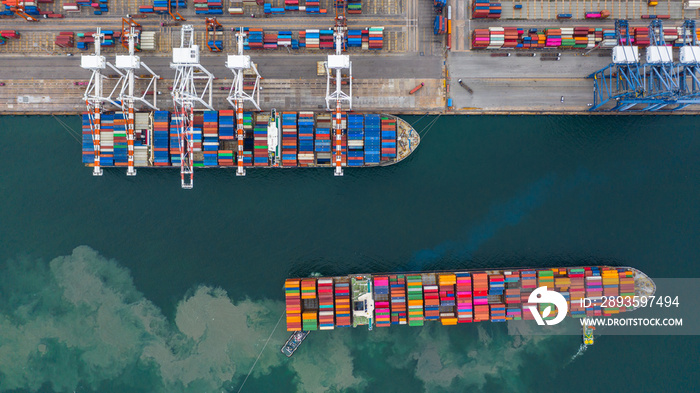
<point x="688" y="68"/>
<point x="94" y="96"/>
<point x="334" y="66"/>
<point x="660" y="81"/>
<point x="185" y="97"/>
<point x="129" y="63"/>
<point x="621" y="79"/>
<point x="238" y="64"/>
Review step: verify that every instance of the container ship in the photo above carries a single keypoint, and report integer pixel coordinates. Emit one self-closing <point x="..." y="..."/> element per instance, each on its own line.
<point x="270" y="140"/>
<point x="454" y="297"/>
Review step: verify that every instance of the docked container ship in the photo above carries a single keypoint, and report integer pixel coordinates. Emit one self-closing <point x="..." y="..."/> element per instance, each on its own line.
<point x="271" y="140"/>
<point x="382" y="300"/>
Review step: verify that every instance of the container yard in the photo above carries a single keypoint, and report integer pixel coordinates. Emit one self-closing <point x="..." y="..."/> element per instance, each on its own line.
<point x="394" y="47"/>
<point x="454" y="297"/>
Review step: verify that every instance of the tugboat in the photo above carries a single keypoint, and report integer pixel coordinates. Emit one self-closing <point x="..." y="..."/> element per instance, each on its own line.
<point x="293" y="342"/>
<point x="588" y="335"/>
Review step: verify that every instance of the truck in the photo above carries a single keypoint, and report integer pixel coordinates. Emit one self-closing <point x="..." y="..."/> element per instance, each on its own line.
<point x="415" y="89"/>
<point x="464" y="85"/>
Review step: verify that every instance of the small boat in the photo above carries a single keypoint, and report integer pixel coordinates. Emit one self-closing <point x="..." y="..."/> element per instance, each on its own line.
<point x="293" y="342"/>
<point x="588" y="335"/>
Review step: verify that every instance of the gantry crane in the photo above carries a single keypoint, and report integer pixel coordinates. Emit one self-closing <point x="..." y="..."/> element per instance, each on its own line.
<point x="129" y="63"/>
<point x="127" y="24"/>
<point x="688" y="68"/>
<point x="238" y="64"/>
<point x="185" y="97"/>
<point x="660" y="81"/>
<point x="17" y="6"/>
<point x="94" y="96"/>
<point x="621" y="79"/>
<point x="214" y="29"/>
<point x="174" y="11"/>
<point x="336" y="64"/>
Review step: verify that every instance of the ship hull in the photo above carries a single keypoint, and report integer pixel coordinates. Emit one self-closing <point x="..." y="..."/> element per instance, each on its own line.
<point x="454" y="297"/>
<point x="271" y="141"/>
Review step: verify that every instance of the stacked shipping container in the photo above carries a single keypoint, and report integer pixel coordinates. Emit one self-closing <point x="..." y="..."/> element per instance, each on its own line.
<point x="325" y="304"/>
<point x="398" y="299"/>
<point x="464" y="297"/>
<point x="292" y="304"/>
<point x="446" y="283"/>
<point x="355" y="140"/>
<point x="306" y="138"/>
<point x="381" y="301"/>
<point x="210" y="134"/>
<point x="309" y="315"/>
<point x="431" y="297"/>
<point x="414" y="289"/>
<point x="342" y="302"/>
<point x="289" y="139"/>
<point x="260" y="154"/>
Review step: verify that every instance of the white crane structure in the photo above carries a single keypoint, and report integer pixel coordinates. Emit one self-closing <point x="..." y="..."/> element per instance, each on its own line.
<point x="94" y="96"/>
<point x="334" y="71"/>
<point x="185" y="97"/>
<point x="129" y="63"/>
<point x="239" y="64"/>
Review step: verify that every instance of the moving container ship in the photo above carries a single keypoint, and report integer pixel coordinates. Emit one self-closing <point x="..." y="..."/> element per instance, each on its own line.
<point x="271" y="140"/>
<point x="453" y="297"/>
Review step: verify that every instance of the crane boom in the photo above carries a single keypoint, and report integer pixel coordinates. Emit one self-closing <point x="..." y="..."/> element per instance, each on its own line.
<point x="239" y="64"/>
<point x="185" y="97"/>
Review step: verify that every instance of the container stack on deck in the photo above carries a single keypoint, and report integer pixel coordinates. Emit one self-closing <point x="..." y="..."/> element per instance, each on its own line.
<point x="355" y="140"/>
<point x="161" y="128"/>
<point x="210" y="133"/>
<point x="293" y="304"/>
<point x="446" y="285"/>
<point x="594" y="291"/>
<point x="342" y="303"/>
<point x="365" y="139"/>
<point x="481" y="287"/>
<point x="306" y="138"/>
<point x="463" y="288"/>
<point x="397" y="284"/>
<point x="499" y="296"/>
<point x="248" y="139"/>
<point x="289" y="139"/>
<point x="260" y="154"/>
<point x="512" y="295"/>
<point x="225" y="154"/>
<point x="611" y="288"/>
<point x="382" y="311"/>
<point x="107" y="140"/>
<point x="88" y="147"/>
<point x="175" y="122"/>
<point x="325" y="304"/>
<point x="309" y="316"/>
<point x="322" y="141"/>
<point x="431" y="297"/>
<point x="120" y="146"/>
<point x="388" y="138"/>
<point x="414" y="288"/>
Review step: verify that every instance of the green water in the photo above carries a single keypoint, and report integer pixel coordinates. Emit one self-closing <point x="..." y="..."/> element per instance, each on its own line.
<point x="118" y="284"/>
